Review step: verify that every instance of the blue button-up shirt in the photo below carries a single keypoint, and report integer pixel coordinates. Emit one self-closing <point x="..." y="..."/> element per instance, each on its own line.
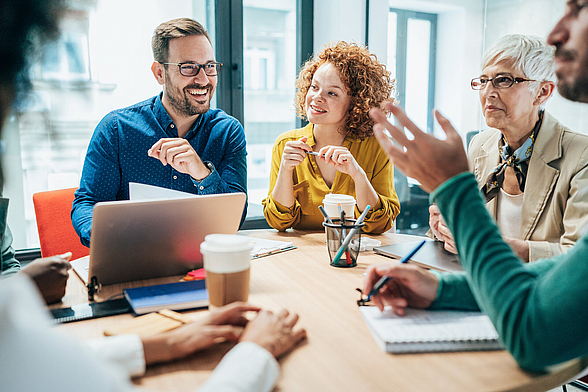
<point x="117" y="155"/>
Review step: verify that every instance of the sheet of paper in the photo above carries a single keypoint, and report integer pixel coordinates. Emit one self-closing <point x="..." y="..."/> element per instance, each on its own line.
<point x="81" y="267"/>
<point x="139" y="191"/>
<point x="262" y="246"/>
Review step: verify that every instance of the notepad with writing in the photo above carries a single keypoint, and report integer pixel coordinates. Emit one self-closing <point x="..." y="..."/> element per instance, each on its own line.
<point x="174" y="296"/>
<point x="430" y="330"/>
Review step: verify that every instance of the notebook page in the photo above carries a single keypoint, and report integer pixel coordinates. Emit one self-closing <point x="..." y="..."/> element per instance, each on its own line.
<point x="428" y="326"/>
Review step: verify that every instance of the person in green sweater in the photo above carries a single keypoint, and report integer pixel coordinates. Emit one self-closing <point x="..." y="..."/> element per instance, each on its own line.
<point x="539" y="309"/>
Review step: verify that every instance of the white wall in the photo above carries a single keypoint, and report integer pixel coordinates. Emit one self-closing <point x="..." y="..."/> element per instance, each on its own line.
<point x="338" y="20"/>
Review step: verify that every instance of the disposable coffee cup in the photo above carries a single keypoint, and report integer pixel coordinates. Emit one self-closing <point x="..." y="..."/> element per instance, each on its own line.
<point x="332" y="201"/>
<point x="227" y="261"/>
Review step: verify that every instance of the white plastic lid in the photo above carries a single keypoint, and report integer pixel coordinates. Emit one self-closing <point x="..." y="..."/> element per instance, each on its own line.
<point x="226" y="243"/>
<point x="338" y="198"/>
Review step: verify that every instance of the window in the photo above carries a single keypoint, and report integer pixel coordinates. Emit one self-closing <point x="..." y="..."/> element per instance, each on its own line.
<point x="101" y="62"/>
<point x="411" y="60"/>
<point x="270" y="71"/>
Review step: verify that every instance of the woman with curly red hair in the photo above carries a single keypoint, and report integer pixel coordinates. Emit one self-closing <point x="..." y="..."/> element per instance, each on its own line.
<point x="336" y="90"/>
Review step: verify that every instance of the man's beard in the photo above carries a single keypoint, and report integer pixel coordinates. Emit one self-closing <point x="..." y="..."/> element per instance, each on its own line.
<point x="183" y="105"/>
<point x="574" y="89"/>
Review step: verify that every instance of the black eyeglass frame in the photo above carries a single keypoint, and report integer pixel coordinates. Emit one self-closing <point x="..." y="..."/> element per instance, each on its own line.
<point x="198" y="67"/>
<point x="511" y="78"/>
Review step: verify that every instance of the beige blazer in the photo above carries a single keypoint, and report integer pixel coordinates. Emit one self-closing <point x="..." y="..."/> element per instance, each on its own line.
<point x="555" y="201"/>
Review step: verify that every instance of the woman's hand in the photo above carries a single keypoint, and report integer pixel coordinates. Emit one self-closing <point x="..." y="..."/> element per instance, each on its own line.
<point x="342" y="159"/>
<point x="440" y="229"/>
<point x="294" y="154"/>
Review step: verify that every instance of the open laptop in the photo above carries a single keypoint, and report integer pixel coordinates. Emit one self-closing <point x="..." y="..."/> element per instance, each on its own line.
<point x="135" y="240"/>
<point x="432" y="255"/>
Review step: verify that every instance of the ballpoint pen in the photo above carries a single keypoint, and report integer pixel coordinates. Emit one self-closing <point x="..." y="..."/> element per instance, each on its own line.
<point x="385" y="279"/>
<point x="317" y="154"/>
<point x="352" y="233"/>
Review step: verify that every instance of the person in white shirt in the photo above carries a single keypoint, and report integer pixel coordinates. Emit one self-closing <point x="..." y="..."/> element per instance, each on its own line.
<point x="35" y="357"/>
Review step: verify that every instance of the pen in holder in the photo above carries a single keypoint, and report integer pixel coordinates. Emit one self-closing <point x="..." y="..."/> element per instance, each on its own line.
<point x="336" y="239"/>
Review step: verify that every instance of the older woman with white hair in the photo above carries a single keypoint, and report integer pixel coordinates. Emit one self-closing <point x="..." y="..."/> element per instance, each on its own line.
<point x="532" y="170"/>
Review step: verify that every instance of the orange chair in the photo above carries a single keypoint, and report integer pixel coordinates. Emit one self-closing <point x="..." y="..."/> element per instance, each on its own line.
<point x="56" y="232"/>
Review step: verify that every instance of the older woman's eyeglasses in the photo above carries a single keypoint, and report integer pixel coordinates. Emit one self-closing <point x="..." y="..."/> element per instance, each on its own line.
<point x="192" y="69"/>
<point x="500" y="81"/>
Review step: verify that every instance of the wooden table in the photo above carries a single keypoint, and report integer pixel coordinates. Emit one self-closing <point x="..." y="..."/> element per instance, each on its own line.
<point x="340" y="353"/>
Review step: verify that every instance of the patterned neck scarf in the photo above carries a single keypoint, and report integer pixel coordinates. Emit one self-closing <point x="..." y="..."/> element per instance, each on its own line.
<point x="518" y="160"/>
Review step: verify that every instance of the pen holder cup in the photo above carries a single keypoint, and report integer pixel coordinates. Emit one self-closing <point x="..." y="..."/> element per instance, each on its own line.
<point x="336" y="235"/>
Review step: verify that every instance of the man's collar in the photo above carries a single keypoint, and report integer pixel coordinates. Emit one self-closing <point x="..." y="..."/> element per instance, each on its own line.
<point x="165" y="119"/>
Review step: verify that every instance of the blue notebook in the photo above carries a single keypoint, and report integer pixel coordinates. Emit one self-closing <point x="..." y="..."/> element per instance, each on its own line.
<point x="173" y="296"/>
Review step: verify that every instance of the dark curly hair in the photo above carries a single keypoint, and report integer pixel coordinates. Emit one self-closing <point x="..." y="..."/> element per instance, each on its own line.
<point x="367" y="80"/>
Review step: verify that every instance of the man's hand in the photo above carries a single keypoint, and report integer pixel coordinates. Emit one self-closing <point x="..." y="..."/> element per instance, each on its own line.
<point x="425" y="158"/>
<point x="274" y="332"/>
<point x="50" y="275"/>
<point x="220" y="325"/>
<point x="180" y="155"/>
<point x="410" y="286"/>
<point x="440" y="229"/>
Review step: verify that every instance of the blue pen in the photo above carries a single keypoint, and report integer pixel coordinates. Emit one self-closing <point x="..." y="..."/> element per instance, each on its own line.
<point x="385" y="279"/>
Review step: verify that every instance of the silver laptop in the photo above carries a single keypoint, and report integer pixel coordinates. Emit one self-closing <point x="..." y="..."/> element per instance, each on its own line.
<point x="134" y="240"/>
<point x="432" y="255"/>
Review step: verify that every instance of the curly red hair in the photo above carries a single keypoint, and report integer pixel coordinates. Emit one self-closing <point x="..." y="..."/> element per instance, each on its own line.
<point x="367" y="80"/>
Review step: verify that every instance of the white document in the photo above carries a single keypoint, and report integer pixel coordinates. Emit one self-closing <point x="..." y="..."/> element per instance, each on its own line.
<point x="430" y="330"/>
<point x="139" y="191"/>
<point x="263" y="247"/>
<point x="81" y="267"/>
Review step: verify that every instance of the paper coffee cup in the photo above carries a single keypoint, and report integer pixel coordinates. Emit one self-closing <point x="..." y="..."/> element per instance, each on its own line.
<point x="227" y="260"/>
<point x="333" y="200"/>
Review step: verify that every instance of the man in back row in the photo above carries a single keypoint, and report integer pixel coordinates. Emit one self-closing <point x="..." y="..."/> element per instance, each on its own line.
<point x="172" y="140"/>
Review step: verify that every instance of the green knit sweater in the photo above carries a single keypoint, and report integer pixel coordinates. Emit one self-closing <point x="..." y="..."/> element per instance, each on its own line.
<point x="539" y="309"/>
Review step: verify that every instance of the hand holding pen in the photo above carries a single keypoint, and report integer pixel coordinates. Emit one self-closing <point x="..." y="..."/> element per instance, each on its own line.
<point x="384" y="279"/>
<point x="403" y="285"/>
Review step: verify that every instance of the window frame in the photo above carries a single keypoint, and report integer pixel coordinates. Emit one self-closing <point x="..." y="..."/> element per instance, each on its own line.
<point x="402" y="17"/>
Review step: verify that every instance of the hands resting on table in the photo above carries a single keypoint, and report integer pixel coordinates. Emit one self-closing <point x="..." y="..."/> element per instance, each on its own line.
<point x="274" y="332"/>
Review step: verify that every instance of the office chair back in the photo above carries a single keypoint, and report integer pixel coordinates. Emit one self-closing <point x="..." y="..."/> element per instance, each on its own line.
<point x="56" y="232"/>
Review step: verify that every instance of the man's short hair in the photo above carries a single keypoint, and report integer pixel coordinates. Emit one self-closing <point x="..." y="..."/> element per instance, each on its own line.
<point x="175" y="28"/>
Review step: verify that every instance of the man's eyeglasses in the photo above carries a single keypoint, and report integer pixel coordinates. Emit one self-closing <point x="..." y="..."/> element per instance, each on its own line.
<point x="501" y="81"/>
<point x="193" y="69"/>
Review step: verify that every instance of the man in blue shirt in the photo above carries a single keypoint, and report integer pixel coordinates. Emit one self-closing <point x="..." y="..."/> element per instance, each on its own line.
<point x="172" y="140"/>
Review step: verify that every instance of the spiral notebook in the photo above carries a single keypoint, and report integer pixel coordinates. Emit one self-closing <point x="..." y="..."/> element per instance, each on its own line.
<point x="420" y="331"/>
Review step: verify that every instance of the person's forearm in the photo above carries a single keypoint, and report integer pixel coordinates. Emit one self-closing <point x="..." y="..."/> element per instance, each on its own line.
<point x="81" y="217"/>
<point x="283" y="191"/>
<point x="528" y="303"/>
<point x="159" y="348"/>
<point x="365" y="194"/>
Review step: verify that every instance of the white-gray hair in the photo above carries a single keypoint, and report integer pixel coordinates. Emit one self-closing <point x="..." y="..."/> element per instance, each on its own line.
<point x="528" y="54"/>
